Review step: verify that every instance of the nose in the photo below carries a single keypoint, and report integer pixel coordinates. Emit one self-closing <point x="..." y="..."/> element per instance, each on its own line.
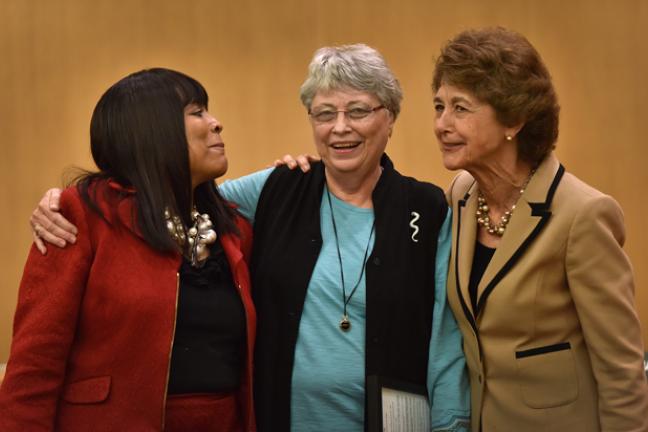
<point x="443" y="122"/>
<point x="215" y="125"/>
<point x="341" y="124"/>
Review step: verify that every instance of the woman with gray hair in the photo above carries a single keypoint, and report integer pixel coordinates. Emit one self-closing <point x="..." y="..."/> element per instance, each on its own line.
<point x="349" y="263"/>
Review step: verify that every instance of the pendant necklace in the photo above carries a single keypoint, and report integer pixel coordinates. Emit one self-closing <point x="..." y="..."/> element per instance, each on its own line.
<point x="345" y="324"/>
<point x="200" y="235"/>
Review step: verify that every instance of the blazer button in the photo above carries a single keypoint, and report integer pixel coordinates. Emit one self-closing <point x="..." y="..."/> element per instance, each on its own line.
<point x="376" y="261"/>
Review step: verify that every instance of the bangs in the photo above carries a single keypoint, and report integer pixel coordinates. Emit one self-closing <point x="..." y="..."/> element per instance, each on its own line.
<point x="190" y="91"/>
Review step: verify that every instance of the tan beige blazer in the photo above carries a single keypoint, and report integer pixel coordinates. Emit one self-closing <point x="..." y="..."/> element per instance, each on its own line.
<point x="555" y="342"/>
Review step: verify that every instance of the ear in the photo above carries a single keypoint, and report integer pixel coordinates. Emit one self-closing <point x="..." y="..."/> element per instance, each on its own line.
<point x="513" y="131"/>
<point x="391" y="123"/>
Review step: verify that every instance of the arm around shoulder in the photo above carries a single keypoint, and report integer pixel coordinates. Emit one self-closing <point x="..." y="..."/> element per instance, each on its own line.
<point x="245" y="191"/>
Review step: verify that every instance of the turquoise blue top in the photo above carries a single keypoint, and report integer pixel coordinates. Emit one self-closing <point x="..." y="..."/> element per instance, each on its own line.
<point x="328" y="374"/>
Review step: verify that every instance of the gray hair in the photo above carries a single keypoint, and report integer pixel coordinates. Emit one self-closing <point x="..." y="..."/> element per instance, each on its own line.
<point x="359" y="67"/>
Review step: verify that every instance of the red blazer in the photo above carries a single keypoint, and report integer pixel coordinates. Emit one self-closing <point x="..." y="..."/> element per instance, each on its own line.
<point x="94" y="327"/>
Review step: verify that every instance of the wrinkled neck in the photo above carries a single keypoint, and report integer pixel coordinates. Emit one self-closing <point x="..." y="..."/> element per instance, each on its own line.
<point x="353" y="188"/>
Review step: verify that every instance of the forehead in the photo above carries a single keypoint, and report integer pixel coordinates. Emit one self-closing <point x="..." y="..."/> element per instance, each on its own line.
<point x="343" y="97"/>
<point x="449" y="92"/>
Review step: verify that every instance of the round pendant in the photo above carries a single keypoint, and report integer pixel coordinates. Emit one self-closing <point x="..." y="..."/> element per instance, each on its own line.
<point x="345" y="324"/>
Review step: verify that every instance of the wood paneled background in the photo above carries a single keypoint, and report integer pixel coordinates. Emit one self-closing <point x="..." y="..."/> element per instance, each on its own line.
<point x="58" y="56"/>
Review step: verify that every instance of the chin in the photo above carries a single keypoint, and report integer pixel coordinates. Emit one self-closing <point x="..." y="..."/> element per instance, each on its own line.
<point x="221" y="172"/>
<point x="452" y="163"/>
<point x="220" y="168"/>
<point x="217" y="172"/>
<point x="345" y="166"/>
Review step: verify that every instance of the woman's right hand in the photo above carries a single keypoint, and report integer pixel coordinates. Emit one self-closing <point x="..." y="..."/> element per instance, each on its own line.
<point x="302" y="161"/>
<point x="48" y="225"/>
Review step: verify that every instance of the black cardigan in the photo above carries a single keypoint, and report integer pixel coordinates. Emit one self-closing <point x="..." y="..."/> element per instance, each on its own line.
<point x="399" y="278"/>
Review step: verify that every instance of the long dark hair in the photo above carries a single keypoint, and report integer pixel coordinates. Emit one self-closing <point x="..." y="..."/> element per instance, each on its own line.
<point x="138" y="140"/>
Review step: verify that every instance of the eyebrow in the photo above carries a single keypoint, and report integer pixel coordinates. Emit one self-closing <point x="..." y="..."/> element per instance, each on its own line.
<point x="454" y="100"/>
<point x="353" y="102"/>
<point x="194" y="105"/>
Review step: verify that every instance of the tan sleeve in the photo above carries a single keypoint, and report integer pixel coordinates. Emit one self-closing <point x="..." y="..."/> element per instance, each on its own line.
<point x="602" y="286"/>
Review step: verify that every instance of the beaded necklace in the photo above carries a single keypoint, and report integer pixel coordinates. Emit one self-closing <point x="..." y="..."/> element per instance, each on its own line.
<point x="484" y="220"/>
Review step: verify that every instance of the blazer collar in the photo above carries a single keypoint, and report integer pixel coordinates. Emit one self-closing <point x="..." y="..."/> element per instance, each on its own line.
<point x="125" y="210"/>
<point x="532" y="212"/>
<point x="116" y="202"/>
<point x="231" y="243"/>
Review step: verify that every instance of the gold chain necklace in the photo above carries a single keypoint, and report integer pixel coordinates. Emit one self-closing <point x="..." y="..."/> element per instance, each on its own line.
<point x="484" y="220"/>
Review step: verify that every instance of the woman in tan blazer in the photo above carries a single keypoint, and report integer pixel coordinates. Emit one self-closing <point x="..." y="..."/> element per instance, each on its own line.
<point x="539" y="283"/>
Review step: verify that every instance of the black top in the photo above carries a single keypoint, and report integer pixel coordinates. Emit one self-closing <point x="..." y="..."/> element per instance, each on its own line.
<point x="482" y="257"/>
<point x="400" y="280"/>
<point x="209" y="344"/>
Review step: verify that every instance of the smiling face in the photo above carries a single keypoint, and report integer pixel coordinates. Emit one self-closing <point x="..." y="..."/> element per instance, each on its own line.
<point x="207" y="159"/>
<point x="345" y="144"/>
<point x="468" y="132"/>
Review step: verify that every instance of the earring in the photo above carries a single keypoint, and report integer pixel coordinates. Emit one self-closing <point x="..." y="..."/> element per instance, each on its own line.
<point x="509" y="138"/>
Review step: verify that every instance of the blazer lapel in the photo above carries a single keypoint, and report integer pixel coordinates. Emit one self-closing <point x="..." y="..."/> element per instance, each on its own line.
<point x="466" y="230"/>
<point x="531" y="214"/>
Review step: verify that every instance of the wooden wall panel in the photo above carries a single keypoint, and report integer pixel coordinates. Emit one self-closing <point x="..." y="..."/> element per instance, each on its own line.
<point x="57" y="57"/>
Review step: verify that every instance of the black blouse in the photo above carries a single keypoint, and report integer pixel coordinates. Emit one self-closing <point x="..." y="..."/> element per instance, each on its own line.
<point x="482" y="257"/>
<point x="210" y="336"/>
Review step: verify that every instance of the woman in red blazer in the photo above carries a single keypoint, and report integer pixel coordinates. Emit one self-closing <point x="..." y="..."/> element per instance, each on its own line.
<point x="146" y="323"/>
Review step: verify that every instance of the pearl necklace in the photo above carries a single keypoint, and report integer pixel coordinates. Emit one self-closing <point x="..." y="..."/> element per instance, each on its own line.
<point x="484" y="220"/>
<point x="199" y="236"/>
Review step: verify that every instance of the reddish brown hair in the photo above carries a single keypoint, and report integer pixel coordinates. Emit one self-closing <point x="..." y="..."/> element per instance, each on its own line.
<point x="500" y="67"/>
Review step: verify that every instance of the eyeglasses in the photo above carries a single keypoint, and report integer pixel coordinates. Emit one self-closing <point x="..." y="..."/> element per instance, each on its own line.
<point x="353" y="114"/>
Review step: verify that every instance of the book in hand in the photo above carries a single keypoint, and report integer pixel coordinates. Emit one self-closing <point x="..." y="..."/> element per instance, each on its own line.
<point x="396" y="406"/>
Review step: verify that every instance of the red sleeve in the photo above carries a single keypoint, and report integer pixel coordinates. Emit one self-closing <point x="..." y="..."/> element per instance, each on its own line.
<point x="45" y="322"/>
